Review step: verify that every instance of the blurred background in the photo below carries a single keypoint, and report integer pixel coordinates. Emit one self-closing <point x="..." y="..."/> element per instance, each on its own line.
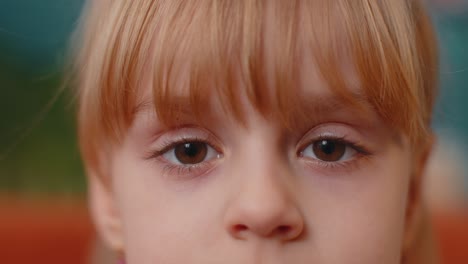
<point x="43" y="215"/>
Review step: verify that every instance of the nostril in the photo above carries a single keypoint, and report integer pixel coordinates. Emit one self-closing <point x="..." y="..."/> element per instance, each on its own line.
<point x="239" y="228"/>
<point x="283" y="229"/>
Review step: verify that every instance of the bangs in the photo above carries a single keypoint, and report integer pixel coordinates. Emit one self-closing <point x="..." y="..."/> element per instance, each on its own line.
<point x="223" y="50"/>
<point x="228" y="50"/>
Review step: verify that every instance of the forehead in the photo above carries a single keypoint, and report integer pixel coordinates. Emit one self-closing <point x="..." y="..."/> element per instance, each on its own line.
<point x="309" y="100"/>
<point x="280" y="57"/>
<point x="268" y="61"/>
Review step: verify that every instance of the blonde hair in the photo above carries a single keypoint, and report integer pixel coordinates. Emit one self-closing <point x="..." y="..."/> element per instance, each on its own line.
<point x="390" y="44"/>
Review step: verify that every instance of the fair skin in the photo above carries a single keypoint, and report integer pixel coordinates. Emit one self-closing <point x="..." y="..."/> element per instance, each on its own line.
<point x="261" y="193"/>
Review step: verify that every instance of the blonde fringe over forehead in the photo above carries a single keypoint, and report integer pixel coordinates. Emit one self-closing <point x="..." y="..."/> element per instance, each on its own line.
<point x="222" y="46"/>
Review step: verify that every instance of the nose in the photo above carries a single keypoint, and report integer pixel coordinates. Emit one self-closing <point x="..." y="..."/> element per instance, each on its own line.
<point x="263" y="209"/>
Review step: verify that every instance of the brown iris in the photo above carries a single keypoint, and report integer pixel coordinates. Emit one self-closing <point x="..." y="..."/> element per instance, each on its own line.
<point x="191" y="152"/>
<point x="329" y="150"/>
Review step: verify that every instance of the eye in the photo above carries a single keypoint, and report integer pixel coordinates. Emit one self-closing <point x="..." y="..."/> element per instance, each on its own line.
<point x="329" y="150"/>
<point x="190" y="153"/>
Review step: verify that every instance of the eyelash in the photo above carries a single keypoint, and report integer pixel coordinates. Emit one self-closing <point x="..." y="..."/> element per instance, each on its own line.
<point x="191" y="171"/>
<point x="362" y="153"/>
<point x="181" y="170"/>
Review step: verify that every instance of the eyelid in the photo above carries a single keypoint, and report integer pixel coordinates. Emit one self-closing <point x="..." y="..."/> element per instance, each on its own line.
<point x="335" y="131"/>
<point x="364" y="148"/>
<point x="340" y="139"/>
<point x="167" y="141"/>
<point x="172" y="144"/>
<point x="176" y="136"/>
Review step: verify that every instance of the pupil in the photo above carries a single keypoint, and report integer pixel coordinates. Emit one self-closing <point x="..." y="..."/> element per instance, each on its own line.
<point x="191" y="149"/>
<point x="327" y="147"/>
<point x="191" y="152"/>
<point x="329" y="150"/>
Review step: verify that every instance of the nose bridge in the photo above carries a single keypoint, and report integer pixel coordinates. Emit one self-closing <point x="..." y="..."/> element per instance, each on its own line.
<point x="265" y="182"/>
<point x="264" y="205"/>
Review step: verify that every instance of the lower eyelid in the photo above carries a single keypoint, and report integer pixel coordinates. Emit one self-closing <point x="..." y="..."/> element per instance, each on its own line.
<point x="186" y="172"/>
<point x="344" y="166"/>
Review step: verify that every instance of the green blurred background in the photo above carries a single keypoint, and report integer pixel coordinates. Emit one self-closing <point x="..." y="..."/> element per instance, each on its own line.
<point x="38" y="149"/>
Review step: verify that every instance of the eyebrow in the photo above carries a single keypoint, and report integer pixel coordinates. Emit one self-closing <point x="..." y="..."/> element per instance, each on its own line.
<point x="326" y="103"/>
<point x="142" y="107"/>
<point x="175" y="111"/>
<point x="310" y="109"/>
<point x="179" y="105"/>
<point x="315" y="109"/>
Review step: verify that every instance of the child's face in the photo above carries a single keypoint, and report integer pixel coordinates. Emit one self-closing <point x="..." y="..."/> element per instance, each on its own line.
<point x="331" y="191"/>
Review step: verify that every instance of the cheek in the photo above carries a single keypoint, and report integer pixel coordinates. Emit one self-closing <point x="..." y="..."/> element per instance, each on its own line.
<point x="161" y="219"/>
<point x="357" y="217"/>
<point x="360" y="216"/>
